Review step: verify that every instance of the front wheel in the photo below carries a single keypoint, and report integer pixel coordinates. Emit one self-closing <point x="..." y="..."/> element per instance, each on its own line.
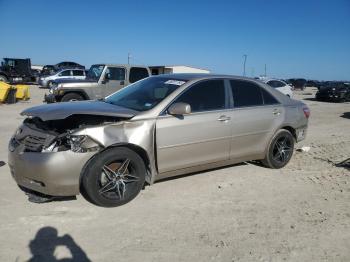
<point x="280" y="150"/>
<point x="113" y="178"/>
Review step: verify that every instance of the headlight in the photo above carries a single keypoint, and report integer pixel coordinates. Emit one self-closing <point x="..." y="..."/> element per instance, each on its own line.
<point x="81" y="144"/>
<point x="77" y="144"/>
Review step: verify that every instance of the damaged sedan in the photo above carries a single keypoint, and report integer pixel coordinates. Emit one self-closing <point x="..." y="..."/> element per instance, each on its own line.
<point x="158" y="127"/>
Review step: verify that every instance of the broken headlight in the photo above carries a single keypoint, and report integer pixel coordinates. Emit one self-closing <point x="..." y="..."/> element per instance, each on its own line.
<point x="81" y="144"/>
<point x="77" y="144"/>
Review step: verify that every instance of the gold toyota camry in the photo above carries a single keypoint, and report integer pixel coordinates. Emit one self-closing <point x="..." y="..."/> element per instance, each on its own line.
<point x="158" y="127"/>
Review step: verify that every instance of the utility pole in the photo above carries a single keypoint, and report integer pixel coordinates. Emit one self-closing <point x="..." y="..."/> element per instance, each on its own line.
<point x="129" y="57"/>
<point x="245" y="60"/>
<point x="265" y="70"/>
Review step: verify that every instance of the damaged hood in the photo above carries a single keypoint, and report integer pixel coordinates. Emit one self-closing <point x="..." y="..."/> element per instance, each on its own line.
<point x="65" y="109"/>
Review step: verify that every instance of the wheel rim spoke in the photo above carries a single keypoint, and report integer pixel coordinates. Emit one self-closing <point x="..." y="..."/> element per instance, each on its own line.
<point x="282" y="150"/>
<point x="116" y="180"/>
<point x="107" y="187"/>
<point x="124" y="167"/>
<point x="108" y="172"/>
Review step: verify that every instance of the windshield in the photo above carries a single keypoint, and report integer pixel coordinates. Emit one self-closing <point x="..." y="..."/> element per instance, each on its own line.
<point x="95" y="72"/>
<point x="145" y="94"/>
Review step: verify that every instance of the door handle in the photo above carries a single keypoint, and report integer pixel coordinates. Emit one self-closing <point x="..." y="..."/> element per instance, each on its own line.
<point x="224" y="118"/>
<point x="276" y="112"/>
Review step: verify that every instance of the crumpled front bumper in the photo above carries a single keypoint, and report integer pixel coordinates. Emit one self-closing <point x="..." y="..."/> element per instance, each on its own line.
<point x="53" y="173"/>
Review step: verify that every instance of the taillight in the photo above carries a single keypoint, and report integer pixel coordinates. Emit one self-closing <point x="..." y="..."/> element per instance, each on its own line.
<point x="306" y="111"/>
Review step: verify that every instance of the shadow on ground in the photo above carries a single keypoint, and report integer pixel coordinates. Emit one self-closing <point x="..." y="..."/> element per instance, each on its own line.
<point x="47" y="240"/>
<point x="346" y="115"/>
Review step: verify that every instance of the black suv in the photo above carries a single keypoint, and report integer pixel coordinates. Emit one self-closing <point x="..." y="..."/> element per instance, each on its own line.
<point x="334" y="91"/>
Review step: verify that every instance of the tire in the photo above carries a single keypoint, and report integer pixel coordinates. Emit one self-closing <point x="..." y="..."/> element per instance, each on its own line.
<point x="101" y="187"/>
<point x="3" y="78"/>
<point x="71" y="97"/>
<point x="280" y="150"/>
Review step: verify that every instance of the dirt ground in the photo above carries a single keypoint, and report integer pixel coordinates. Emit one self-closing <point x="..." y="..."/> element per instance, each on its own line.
<point x="239" y="213"/>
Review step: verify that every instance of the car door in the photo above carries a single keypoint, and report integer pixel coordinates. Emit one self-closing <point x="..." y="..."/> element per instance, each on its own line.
<point x="254" y="118"/>
<point x="201" y="137"/>
<point x="114" y="80"/>
<point x="65" y="74"/>
<point x="78" y="74"/>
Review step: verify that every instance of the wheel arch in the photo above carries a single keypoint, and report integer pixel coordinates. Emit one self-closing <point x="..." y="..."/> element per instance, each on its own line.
<point x="291" y="130"/>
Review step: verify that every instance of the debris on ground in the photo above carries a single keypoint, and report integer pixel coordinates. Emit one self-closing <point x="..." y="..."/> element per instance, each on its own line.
<point x="304" y="149"/>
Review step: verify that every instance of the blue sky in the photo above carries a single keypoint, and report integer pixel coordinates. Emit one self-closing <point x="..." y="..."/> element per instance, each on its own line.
<point x="294" y="38"/>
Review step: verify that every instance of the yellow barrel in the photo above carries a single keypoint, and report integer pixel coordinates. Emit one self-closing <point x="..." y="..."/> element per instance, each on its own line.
<point x="22" y="92"/>
<point x="4" y="90"/>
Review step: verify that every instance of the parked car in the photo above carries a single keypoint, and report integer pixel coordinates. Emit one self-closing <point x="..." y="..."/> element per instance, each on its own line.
<point x="101" y="81"/>
<point x="64" y="65"/>
<point x="297" y="83"/>
<point x="334" y="91"/>
<point x="14" y="70"/>
<point x="280" y="85"/>
<point x="158" y="127"/>
<point x="77" y="74"/>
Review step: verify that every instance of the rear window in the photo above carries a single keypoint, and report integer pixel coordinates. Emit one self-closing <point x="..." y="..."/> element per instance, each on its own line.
<point x="78" y="73"/>
<point x="137" y="73"/>
<point x="246" y="94"/>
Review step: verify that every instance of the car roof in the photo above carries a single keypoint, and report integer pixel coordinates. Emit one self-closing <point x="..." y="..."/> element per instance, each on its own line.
<point x="198" y="76"/>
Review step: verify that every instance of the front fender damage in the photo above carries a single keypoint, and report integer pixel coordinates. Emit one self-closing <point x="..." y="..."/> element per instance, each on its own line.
<point x="140" y="134"/>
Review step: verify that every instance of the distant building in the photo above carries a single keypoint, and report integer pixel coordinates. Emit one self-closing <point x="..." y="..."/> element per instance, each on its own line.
<point x="159" y="70"/>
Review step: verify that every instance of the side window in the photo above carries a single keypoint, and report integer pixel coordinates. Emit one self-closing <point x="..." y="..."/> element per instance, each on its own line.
<point x="246" y="94"/>
<point x="268" y="98"/>
<point x="205" y="96"/>
<point x="137" y="73"/>
<point x="116" y="73"/>
<point x="78" y="73"/>
<point x="65" y="73"/>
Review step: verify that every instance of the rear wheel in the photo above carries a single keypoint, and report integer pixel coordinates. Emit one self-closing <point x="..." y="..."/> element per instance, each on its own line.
<point x="280" y="150"/>
<point x="71" y="97"/>
<point x="113" y="178"/>
<point x="3" y="78"/>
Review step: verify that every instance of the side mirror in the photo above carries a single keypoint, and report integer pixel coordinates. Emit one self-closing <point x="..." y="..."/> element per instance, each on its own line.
<point x="179" y="109"/>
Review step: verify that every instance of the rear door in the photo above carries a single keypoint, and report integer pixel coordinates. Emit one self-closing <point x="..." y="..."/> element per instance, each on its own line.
<point x="254" y="118"/>
<point x="201" y="137"/>
<point x="78" y="74"/>
<point x="116" y="80"/>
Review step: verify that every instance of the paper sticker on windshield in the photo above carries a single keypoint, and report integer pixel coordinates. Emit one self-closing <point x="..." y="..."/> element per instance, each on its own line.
<point x="175" y="82"/>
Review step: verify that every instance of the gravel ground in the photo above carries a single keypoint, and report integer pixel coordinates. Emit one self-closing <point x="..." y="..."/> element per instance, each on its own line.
<point x="239" y="213"/>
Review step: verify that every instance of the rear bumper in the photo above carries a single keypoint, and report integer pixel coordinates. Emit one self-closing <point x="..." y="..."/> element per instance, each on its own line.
<point x="54" y="174"/>
<point x="301" y="133"/>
